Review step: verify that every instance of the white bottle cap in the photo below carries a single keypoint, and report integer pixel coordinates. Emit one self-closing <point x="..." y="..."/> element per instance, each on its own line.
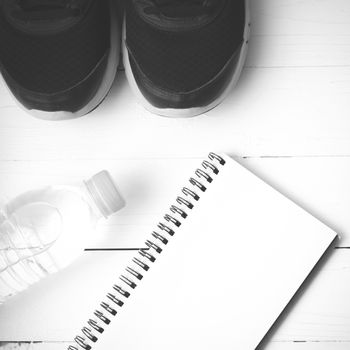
<point x="104" y="193"/>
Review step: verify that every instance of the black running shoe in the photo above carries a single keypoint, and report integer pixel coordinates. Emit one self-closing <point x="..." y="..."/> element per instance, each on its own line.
<point x="182" y="56"/>
<point x="58" y="57"/>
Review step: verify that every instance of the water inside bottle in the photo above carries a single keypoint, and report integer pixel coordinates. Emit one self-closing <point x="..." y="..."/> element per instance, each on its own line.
<point x="25" y="238"/>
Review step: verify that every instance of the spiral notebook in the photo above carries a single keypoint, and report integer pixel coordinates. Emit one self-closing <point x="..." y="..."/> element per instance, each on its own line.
<point x="220" y="267"/>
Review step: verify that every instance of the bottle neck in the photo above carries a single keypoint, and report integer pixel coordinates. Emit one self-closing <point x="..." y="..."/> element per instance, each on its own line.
<point x="94" y="203"/>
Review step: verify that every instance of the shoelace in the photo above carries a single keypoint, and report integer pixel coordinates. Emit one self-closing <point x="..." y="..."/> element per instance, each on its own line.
<point x="175" y="7"/>
<point x="33" y="9"/>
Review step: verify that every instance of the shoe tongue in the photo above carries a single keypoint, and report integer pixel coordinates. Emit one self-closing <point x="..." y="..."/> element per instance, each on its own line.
<point x="178" y="14"/>
<point x="39" y="16"/>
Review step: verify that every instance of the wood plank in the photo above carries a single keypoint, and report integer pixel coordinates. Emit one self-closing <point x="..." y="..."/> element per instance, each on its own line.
<point x="56" y="308"/>
<point x="270" y="346"/>
<point x="304" y="51"/>
<point x="151" y="185"/>
<point x="292" y="111"/>
<point x="292" y="33"/>
<point x="301" y="18"/>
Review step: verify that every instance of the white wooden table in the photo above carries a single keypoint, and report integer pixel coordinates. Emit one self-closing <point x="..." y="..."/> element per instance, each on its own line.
<point x="288" y="118"/>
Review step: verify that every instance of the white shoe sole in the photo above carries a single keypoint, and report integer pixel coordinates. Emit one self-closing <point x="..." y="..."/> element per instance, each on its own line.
<point x="105" y="86"/>
<point x="188" y="112"/>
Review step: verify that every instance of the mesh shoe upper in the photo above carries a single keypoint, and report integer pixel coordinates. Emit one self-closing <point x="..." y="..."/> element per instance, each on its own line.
<point x="45" y="58"/>
<point x="181" y="50"/>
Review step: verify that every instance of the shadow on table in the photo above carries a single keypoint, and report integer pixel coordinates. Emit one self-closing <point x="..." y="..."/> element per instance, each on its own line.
<point x="299" y="294"/>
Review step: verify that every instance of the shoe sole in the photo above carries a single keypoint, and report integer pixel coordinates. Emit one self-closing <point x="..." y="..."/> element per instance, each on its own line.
<point x="187" y="112"/>
<point x="104" y="88"/>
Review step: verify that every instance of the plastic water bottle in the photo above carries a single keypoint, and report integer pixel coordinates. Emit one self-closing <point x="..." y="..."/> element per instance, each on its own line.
<point x="45" y="230"/>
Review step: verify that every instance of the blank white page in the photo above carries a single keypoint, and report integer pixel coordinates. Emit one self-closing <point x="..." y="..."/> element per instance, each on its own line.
<point x="226" y="275"/>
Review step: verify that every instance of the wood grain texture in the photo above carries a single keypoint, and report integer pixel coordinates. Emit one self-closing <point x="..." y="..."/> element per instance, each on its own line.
<point x="272" y="112"/>
<point x="319" y="314"/>
<point x="289" y="118"/>
<point x="272" y="346"/>
<point x="319" y="184"/>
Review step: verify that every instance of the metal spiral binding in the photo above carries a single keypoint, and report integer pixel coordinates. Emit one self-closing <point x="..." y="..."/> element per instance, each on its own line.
<point x="134" y="273"/>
